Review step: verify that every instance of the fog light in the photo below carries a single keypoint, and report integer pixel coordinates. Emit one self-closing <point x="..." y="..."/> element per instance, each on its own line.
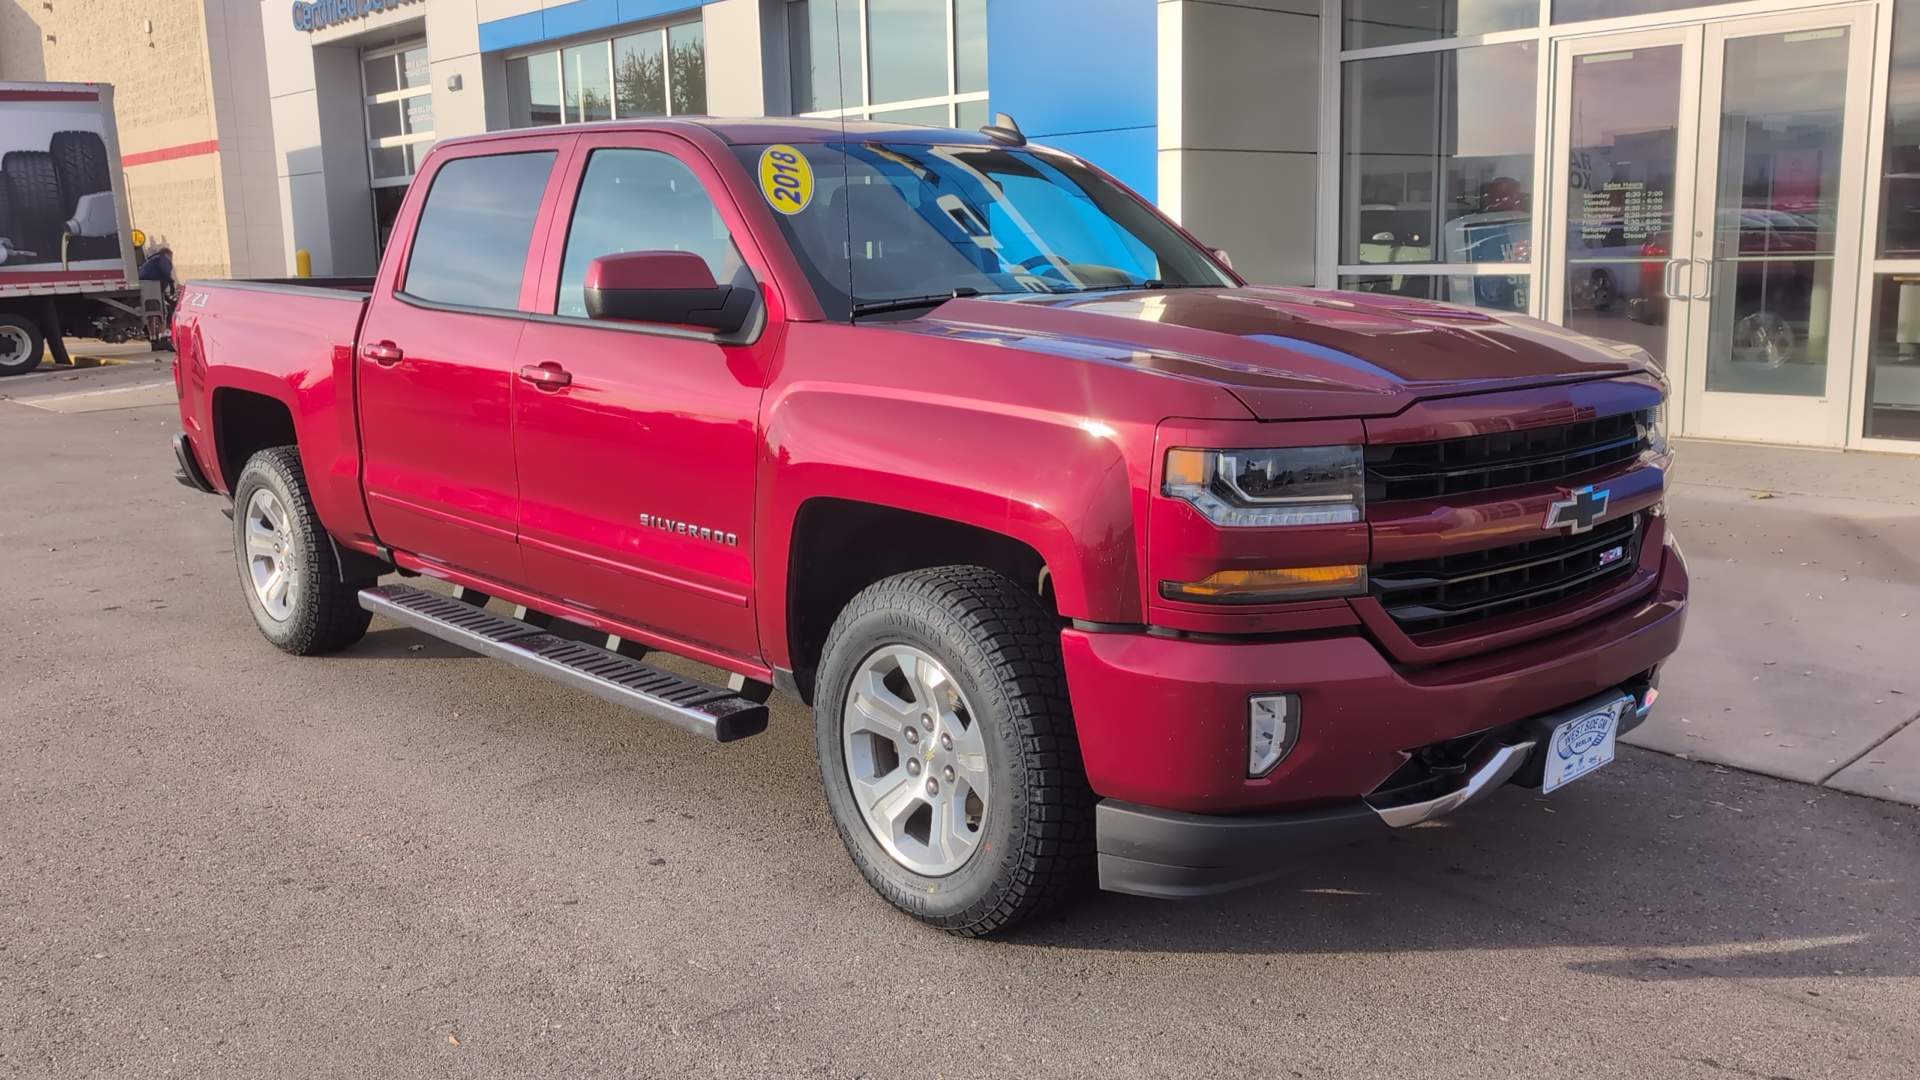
<point x="1273" y="723"/>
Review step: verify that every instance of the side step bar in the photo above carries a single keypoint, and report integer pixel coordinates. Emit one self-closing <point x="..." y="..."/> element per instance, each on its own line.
<point x="720" y="715"/>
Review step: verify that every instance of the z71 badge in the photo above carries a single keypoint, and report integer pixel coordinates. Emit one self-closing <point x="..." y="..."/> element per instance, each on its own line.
<point x="695" y="532"/>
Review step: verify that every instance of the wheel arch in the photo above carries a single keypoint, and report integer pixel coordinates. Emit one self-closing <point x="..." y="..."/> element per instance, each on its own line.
<point x="246" y="422"/>
<point x="841" y="546"/>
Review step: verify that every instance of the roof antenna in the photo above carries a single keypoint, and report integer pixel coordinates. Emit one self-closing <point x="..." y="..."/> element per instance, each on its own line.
<point x="1005" y="131"/>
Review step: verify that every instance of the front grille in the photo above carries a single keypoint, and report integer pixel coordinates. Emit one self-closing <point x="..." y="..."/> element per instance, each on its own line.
<point x="1429" y="595"/>
<point x="1398" y="472"/>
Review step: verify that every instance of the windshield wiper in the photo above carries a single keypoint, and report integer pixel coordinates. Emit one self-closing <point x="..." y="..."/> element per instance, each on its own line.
<point x="902" y="303"/>
<point x="1150" y="283"/>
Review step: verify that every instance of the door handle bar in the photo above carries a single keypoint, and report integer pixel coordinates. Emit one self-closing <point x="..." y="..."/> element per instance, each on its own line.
<point x="547" y="376"/>
<point x="1706" y="291"/>
<point x="1668" y="276"/>
<point x="384" y="353"/>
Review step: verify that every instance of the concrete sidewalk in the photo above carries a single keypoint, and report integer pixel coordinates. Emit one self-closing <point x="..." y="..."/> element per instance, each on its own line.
<point x="1802" y="655"/>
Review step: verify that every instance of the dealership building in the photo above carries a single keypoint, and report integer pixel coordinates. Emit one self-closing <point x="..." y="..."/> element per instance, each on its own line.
<point x="1734" y="187"/>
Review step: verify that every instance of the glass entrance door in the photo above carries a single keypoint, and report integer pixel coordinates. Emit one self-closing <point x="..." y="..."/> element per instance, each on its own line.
<point x="1712" y="212"/>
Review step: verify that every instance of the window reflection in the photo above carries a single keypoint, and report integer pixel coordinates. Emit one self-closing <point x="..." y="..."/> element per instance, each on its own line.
<point x="1893" y="359"/>
<point x="1900" y="168"/>
<point x="1499" y="292"/>
<point x="1373" y="23"/>
<point x="1438" y="152"/>
<point x="1566" y="11"/>
<point x="589" y="83"/>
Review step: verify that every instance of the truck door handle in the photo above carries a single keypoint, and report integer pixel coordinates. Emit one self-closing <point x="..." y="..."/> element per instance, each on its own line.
<point x="384" y="353"/>
<point x="548" y="376"/>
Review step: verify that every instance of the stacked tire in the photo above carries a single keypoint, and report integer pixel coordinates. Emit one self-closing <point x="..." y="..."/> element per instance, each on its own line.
<point x="40" y="190"/>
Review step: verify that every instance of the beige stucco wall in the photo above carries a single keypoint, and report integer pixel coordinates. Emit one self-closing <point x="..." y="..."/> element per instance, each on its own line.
<point x="167" y="77"/>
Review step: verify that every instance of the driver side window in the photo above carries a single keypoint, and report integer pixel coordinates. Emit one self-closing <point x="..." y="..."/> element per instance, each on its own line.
<point x="642" y="200"/>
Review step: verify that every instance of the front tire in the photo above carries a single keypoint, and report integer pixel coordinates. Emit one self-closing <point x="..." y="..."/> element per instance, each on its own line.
<point x="287" y="566"/>
<point x="20" y="345"/>
<point x="948" y="753"/>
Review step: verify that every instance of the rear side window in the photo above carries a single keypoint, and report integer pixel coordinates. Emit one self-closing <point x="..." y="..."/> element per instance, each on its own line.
<point x="643" y="200"/>
<point x="471" y="245"/>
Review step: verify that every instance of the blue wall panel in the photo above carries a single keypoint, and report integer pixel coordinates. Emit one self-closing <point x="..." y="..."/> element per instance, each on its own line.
<point x="579" y="17"/>
<point x="1082" y="75"/>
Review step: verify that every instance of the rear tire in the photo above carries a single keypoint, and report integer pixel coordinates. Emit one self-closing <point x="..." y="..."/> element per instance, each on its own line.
<point x="34" y="190"/>
<point x="992" y="775"/>
<point x="21" y="345"/>
<point x="286" y="561"/>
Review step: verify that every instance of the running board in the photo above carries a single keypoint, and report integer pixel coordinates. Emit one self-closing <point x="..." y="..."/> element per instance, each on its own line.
<point x="720" y="715"/>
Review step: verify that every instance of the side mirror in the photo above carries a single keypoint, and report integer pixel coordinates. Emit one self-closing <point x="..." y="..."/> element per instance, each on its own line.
<point x="672" y="287"/>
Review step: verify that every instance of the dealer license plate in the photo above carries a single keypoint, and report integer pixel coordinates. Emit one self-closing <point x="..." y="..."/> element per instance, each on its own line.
<point x="1583" y="744"/>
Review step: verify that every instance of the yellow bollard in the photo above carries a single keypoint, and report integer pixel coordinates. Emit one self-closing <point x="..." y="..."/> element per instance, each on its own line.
<point x="303" y="263"/>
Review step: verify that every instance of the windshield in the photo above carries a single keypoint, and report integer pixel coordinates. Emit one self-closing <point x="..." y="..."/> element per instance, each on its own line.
<point x="889" y="221"/>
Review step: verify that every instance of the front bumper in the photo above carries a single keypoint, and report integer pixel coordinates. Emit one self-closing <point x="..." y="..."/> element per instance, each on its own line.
<point x="1173" y="855"/>
<point x="1162" y="726"/>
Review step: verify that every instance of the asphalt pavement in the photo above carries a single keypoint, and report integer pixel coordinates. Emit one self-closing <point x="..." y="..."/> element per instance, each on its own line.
<point x="404" y="861"/>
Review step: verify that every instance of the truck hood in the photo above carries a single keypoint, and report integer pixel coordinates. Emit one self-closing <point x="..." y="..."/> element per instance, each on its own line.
<point x="1295" y="353"/>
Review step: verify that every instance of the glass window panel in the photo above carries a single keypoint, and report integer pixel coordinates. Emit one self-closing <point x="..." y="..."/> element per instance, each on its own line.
<point x="383" y="120"/>
<point x="382" y="75"/>
<point x="1776" y="204"/>
<point x="825" y="55"/>
<point x="533" y="90"/>
<point x="973" y="115"/>
<point x="588" y="83"/>
<point x="1565" y="11"/>
<point x="1893" y="358"/>
<point x="1499" y="292"/>
<point x="1373" y="23"/>
<point x="687" y="51"/>
<point x="640" y="74"/>
<point x="970" y="45"/>
<point x="470" y="246"/>
<point x="907" y="49"/>
<point x="1438" y="156"/>
<point x="390" y="162"/>
<point x="642" y="200"/>
<point x="413" y="67"/>
<point x="924" y="115"/>
<point x="1624" y="152"/>
<point x="1900" y="167"/>
<point x="419" y="113"/>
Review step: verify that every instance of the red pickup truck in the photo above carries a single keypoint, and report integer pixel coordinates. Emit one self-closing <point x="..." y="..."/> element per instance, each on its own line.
<point x="1093" y="561"/>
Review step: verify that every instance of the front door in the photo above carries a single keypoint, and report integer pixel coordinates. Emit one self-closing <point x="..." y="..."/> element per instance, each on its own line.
<point x="637" y="475"/>
<point x="1712" y="211"/>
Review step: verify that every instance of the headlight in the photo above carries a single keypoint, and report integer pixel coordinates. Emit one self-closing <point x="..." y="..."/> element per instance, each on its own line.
<point x="1310" y="485"/>
<point x="1654" y="431"/>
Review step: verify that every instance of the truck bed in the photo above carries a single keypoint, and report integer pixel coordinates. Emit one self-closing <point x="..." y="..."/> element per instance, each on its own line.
<point x="291" y="340"/>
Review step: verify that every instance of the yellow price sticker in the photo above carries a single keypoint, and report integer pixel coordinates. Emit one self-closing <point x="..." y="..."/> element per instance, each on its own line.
<point x="786" y="178"/>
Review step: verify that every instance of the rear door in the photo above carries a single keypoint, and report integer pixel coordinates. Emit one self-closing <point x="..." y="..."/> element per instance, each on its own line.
<point x="437" y="352"/>
<point x="636" y="478"/>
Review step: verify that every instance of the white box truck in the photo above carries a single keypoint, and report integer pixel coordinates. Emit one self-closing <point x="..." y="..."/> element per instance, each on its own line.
<point x="68" y="262"/>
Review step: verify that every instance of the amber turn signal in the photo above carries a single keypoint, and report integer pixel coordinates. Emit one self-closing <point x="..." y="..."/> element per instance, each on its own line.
<point x="1270" y="586"/>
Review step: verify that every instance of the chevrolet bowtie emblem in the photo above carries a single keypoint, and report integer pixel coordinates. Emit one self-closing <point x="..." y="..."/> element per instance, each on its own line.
<point x="1579" y="510"/>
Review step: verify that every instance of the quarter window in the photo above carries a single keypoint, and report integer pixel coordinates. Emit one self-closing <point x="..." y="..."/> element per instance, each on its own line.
<point x="470" y="247"/>
<point x="642" y="200"/>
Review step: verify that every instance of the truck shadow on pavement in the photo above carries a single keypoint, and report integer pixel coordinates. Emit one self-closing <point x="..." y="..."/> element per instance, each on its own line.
<point x="1654" y="869"/>
<point x="1657" y="869"/>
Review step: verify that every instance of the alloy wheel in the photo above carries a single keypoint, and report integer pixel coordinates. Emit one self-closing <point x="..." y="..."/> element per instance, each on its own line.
<point x="916" y="759"/>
